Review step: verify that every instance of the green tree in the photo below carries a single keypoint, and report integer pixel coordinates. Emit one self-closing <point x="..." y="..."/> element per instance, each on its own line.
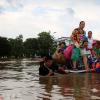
<point x="30" y="47"/>
<point x="5" y="47"/>
<point x="45" y="43"/>
<point x="17" y="46"/>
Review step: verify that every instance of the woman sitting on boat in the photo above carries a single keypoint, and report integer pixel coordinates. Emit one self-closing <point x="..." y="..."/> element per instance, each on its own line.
<point x="58" y="55"/>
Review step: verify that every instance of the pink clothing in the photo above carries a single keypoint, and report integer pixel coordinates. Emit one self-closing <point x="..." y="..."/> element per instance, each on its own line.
<point x="68" y="51"/>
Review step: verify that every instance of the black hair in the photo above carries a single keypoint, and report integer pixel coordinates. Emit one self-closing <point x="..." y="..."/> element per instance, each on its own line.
<point x="82" y="22"/>
<point x="90" y="32"/>
<point x="98" y="42"/>
<point x="48" y="58"/>
<point x="62" y="43"/>
<point x="85" y="40"/>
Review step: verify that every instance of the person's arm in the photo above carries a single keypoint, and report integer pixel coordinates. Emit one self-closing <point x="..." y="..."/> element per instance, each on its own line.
<point x="74" y="38"/>
<point x="50" y="73"/>
<point x="57" y="53"/>
<point x="61" y="70"/>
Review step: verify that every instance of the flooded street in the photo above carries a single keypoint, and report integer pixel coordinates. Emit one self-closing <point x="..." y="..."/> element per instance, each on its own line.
<point x="19" y="80"/>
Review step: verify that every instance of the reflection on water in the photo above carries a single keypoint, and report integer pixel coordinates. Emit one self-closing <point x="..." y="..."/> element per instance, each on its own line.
<point x="19" y="80"/>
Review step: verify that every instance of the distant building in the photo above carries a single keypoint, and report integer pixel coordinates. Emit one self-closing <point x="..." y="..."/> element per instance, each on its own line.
<point x="67" y="40"/>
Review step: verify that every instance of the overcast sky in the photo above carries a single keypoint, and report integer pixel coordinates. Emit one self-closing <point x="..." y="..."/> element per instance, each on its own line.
<point x="29" y="17"/>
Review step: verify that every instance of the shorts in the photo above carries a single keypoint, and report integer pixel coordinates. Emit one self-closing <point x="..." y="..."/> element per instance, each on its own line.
<point x="75" y="54"/>
<point x="85" y="52"/>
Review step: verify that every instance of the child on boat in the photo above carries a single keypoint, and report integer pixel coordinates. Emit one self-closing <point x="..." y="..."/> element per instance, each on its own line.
<point x="96" y="67"/>
<point x="92" y="59"/>
<point x="96" y="48"/>
<point x="85" y="52"/>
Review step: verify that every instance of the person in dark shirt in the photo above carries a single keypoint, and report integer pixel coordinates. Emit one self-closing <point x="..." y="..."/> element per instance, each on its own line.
<point x="48" y="67"/>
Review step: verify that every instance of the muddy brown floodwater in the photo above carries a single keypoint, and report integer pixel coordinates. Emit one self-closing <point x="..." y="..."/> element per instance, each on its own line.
<point x="19" y="80"/>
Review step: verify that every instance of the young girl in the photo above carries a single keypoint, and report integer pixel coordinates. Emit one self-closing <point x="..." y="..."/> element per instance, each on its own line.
<point x="85" y="52"/>
<point x="92" y="59"/>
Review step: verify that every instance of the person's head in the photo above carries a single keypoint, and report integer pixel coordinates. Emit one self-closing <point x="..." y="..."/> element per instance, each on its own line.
<point x="98" y="44"/>
<point x="85" y="43"/>
<point x="89" y="34"/>
<point x="81" y="24"/>
<point x="94" y="44"/>
<point x="48" y="61"/>
<point x="62" y="44"/>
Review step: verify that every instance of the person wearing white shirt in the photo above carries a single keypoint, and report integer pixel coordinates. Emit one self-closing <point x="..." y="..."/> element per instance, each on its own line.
<point x="90" y="40"/>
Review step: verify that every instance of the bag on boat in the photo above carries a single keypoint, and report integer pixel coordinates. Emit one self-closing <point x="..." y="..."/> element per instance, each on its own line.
<point x="68" y="51"/>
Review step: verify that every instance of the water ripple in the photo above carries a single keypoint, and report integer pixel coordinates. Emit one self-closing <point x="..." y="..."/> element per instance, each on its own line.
<point x="19" y="80"/>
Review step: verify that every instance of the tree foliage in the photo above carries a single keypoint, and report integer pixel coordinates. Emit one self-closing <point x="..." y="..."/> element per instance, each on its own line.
<point x="31" y="47"/>
<point x="45" y="42"/>
<point x="4" y="47"/>
<point x="17" y="46"/>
